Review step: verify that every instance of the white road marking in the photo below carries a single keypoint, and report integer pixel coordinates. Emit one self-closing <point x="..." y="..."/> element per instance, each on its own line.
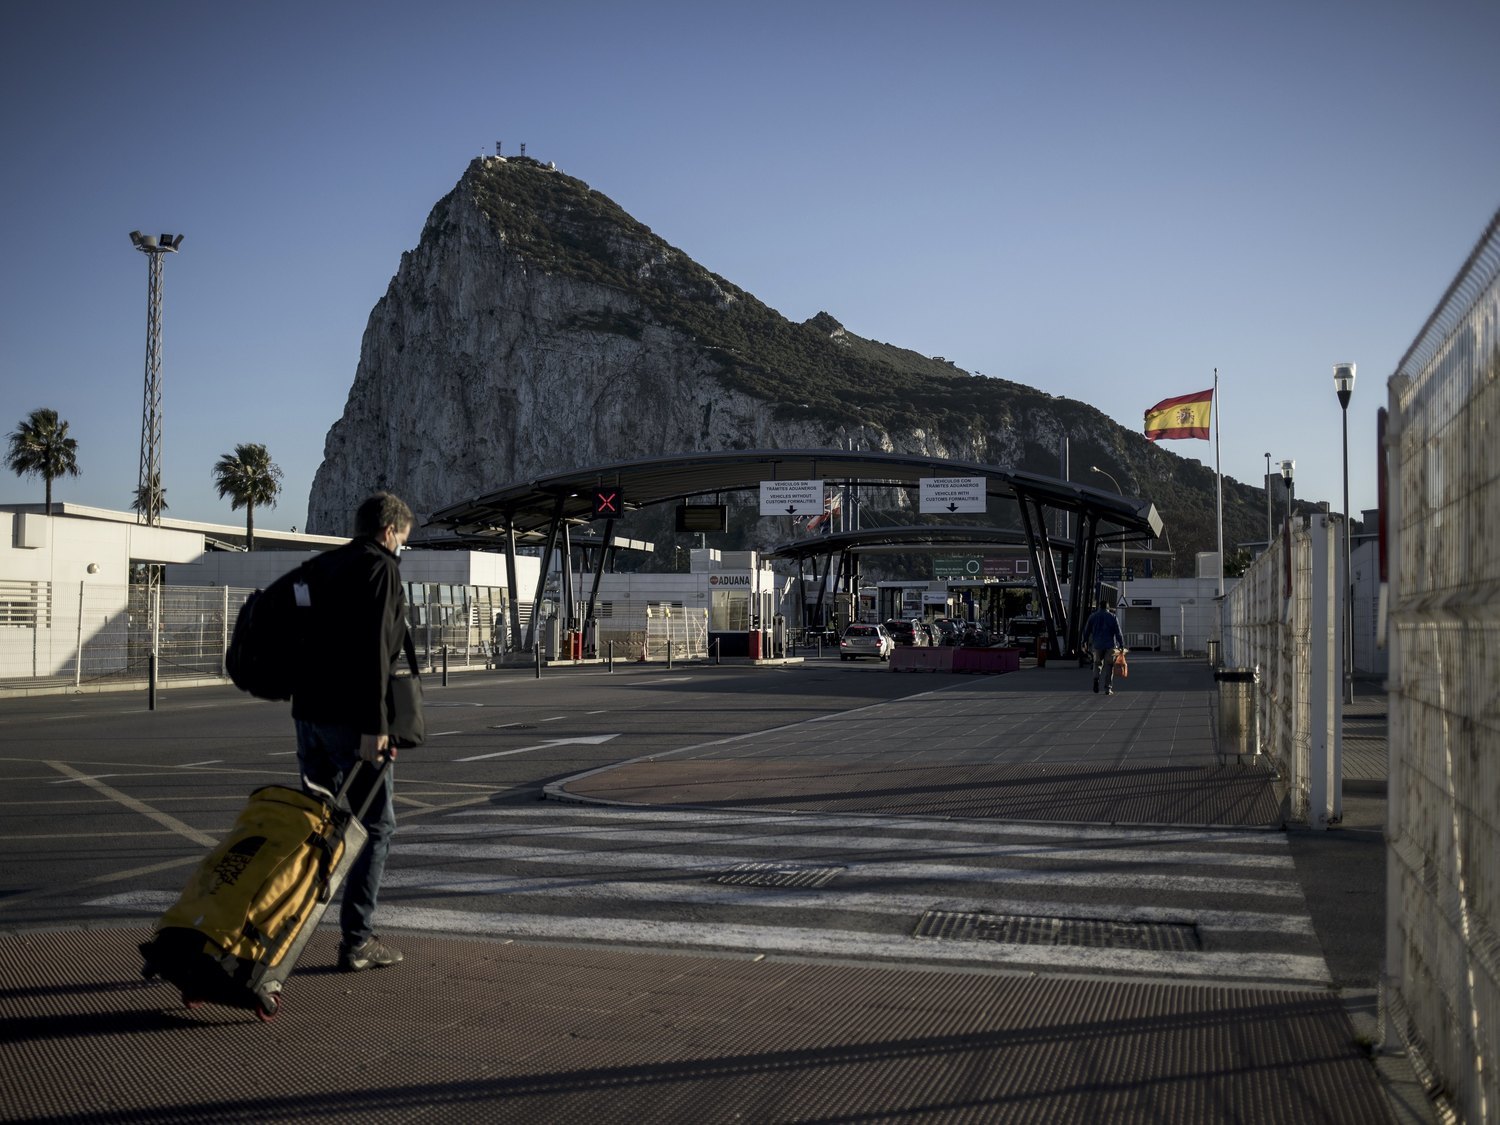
<point x="585" y="740"/>
<point x="166" y="821"/>
<point x="849" y="944"/>
<point x="805" y="941"/>
<point x="875" y="869"/>
<point x="593" y="888"/>
<point x="1273" y="842"/>
<point x="821" y="842"/>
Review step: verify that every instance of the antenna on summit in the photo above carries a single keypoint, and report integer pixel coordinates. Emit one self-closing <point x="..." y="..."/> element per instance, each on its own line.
<point x="523" y="148"/>
<point x="497" y="148"/>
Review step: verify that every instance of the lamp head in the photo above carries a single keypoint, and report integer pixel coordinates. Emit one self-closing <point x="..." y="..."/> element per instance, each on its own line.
<point x="1287" y="468"/>
<point x="1343" y="382"/>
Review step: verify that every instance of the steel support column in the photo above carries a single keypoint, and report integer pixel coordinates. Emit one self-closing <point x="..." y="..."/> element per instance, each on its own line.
<point x="541" y="578"/>
<point x="513" y="588"/>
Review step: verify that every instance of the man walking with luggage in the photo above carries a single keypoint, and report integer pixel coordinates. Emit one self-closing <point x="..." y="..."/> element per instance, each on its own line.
<point x="359" y="619"/>
<point x="1102" y="633"/>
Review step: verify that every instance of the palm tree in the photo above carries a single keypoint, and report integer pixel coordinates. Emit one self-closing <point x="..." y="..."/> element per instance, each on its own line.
<point x="248" y="477"/>
<point x="139" y="503"/>
<point x="41" y="447"/>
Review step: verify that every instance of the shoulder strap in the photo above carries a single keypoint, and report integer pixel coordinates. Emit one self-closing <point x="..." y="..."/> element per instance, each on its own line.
<point x="411" y="652"/>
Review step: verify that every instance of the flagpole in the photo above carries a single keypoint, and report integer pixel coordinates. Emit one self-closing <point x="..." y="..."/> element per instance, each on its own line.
<point x="1219" y="479"/>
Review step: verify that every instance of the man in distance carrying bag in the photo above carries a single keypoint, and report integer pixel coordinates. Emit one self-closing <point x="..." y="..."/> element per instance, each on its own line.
<point x="341" y="703"/>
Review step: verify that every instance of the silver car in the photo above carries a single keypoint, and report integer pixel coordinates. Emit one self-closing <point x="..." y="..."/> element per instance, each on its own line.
<point x="865" y="640"/>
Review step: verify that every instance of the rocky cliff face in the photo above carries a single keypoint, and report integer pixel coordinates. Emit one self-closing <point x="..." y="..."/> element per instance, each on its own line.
<point x="538" y="327"/>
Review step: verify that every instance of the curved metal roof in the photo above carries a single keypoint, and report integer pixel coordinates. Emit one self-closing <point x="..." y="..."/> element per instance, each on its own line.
<point x="530" y="507"/>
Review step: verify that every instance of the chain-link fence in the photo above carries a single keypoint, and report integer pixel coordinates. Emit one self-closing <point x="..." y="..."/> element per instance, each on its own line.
<point x="1442" y="986"/>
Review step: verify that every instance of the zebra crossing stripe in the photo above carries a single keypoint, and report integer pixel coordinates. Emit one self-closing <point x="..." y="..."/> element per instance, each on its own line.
<point x="880" y="869"/>
<point x="589" y="888"/>
<point x="796" y="941"/>
<point x="949" y="848"/>
<point x="1251" y="839"/>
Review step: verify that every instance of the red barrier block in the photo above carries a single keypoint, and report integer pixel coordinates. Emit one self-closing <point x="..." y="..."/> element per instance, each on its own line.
<point x="987" y="661"/>
<point x="909" y="658"/>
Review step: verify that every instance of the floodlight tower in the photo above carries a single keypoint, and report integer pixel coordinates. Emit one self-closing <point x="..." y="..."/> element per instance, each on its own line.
<point x="149" y="511"/>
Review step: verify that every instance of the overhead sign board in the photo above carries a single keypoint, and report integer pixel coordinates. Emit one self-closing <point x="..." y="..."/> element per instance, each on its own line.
<point x="791" y="497"/>
<point x="952" y="495"/>
<point x="957" y="566"/>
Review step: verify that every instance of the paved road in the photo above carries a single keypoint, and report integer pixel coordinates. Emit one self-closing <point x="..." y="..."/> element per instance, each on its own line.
<point x="826" y="892"/>
<point x="112" y="803"/>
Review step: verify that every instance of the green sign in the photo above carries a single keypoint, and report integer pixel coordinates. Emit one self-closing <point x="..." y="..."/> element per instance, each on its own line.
<point x="957" y="566"/>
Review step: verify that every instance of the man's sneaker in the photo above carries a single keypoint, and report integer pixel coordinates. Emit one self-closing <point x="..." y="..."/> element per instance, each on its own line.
<point x="1109" y="691"/>
<point x="368" y="954"/>
<point x="1096" y="685"/>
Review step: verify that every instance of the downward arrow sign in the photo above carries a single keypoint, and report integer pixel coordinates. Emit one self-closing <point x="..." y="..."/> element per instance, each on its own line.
<point x="791" y="509"/>
<point x="585" y="740"/>
<point x="953" y="507"/>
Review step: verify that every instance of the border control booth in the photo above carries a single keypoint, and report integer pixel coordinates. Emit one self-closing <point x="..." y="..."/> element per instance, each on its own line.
<point x="545" y="512"/>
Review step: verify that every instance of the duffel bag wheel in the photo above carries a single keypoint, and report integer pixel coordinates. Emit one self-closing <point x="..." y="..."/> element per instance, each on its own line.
<point x="191" y="1001"/>
<point x="266" y="1008"/>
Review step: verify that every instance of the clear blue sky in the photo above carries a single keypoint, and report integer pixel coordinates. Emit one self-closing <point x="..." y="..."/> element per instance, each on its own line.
<point x="1103" y="200"/>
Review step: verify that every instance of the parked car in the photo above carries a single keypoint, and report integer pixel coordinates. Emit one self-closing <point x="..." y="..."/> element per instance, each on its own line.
<point x="974" y="636"/>
<point x="865" y="640"/>
<point x="906" y="632"/>
<point x="930" y="631"/>
<point x="948" y="630"/>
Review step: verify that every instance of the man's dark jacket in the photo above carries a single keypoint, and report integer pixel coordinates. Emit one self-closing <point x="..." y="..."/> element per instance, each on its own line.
<point x="358" y="623"/>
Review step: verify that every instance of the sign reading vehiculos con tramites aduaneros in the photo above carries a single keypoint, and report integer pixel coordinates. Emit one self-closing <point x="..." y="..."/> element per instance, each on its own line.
<point x="791" y="497"/>
<point x="952" y="495"/>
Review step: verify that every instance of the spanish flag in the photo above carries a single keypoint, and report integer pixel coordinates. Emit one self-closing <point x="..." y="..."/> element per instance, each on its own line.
<point x="1186" y="416"/>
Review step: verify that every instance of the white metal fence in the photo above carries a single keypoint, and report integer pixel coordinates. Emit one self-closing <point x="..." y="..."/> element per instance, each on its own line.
<point x="1282" y="619"/>
<point x="93" y="634"/>
<point x="642" y="630"/>
<point x="1441" y="990"/>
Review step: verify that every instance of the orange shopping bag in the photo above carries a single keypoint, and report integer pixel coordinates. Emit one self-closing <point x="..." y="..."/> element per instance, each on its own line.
<point x="1120" y="665"/>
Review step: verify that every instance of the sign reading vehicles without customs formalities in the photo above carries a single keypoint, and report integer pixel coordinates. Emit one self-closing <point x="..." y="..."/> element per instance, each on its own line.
<point x="952" y="495"/>
<point x="791" y="497"/>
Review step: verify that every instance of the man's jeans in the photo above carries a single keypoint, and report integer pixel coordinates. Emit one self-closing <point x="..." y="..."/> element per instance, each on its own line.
<point x="1105" y="658"/>
<point x="327" y="752"/>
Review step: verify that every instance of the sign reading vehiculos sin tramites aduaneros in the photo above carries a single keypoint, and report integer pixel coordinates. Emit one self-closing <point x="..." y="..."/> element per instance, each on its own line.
<point x="791" y="498"/>
<point x="952" y="495"/>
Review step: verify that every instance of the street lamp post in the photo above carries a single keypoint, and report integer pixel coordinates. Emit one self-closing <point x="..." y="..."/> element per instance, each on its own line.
<point x="1121" y="491"/>
<point x="149" y="492"/>
<point x="1268" y="500"/>
<point x="150" y="474"/>
<point x="1343" y="383"/>
<point x="1287" y="468"/>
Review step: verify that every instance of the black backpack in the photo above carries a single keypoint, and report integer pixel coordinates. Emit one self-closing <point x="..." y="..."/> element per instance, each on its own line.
<point x="266" y="654"/>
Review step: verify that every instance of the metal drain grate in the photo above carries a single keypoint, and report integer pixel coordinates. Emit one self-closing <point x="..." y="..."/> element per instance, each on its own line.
<point x="1021" y="929"/>
<point x="777" y="875"/>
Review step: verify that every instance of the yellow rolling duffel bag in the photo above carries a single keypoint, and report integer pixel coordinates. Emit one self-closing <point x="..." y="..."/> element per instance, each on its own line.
<point x="234" y="935"/>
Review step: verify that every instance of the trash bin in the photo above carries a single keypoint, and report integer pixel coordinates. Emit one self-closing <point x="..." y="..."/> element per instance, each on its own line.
<point x="1239" y="731"/>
